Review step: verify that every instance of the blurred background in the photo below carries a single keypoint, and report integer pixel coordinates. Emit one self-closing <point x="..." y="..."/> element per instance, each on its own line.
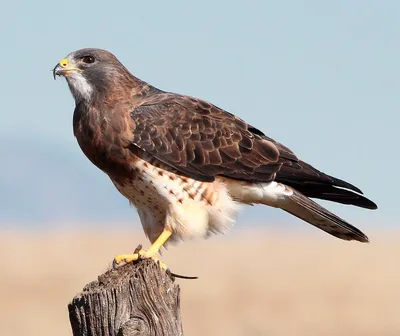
<point x="322" y="78"/>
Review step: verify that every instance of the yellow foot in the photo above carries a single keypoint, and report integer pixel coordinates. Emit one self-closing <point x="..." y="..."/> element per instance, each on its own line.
<point x="138" y="254"/>
<point x="143" y="254"/>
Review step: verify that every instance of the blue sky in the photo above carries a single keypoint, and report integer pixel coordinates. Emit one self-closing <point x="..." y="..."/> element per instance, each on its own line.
<point x="321" y="77"/>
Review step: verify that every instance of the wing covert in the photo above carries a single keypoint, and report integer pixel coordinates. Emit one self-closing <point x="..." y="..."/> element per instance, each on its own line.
<point x="201" y="140"/>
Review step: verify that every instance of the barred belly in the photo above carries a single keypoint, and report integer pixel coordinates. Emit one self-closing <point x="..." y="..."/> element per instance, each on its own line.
<point x="187" y="207"/>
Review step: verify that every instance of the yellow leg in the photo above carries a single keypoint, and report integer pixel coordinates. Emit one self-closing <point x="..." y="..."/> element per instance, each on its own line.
<point x="143" y="254"/>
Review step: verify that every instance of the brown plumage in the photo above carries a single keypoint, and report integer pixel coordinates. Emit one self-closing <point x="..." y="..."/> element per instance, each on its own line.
<point x="185" y="163"/>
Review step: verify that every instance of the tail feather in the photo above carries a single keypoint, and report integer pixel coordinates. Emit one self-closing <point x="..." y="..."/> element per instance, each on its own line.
<point x="334" y="194"/>
<point x="304" y="208"/>
<point x="281" y="196"/>
<point x="315" y="184"/>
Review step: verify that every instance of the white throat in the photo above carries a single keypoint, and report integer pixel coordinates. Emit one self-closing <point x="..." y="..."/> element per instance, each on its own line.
<point x="80" y="88"/>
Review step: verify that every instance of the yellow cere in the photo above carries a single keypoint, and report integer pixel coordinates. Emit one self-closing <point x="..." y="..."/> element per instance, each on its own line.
<point x="64" y="62"/>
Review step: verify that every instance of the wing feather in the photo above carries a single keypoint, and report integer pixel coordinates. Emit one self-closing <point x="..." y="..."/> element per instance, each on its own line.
<point x="201" y="141"/>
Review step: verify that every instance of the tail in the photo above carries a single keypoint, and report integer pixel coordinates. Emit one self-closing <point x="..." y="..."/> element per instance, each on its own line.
<point x="304" y="208"/>
<point x="315" y="184"/>
<point x="286" y="198"/>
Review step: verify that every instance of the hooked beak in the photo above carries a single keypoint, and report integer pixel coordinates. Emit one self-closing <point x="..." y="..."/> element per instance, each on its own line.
<point x="64" y="68"/>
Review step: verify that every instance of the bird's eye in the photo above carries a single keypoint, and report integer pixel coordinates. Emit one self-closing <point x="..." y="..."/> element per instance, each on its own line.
<point x="88" y="59"/>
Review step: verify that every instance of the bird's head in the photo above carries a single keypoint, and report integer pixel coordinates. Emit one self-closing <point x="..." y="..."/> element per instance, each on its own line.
<point x="90" y="71"/>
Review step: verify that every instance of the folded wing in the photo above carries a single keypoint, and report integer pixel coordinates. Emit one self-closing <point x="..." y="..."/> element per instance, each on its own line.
<point x="200" y="140"/>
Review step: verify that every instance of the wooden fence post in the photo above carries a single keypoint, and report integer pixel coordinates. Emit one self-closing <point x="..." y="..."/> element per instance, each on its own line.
<point x="138" y="299"/>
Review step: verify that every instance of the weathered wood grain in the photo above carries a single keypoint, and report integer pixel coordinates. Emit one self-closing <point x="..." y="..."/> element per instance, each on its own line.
<point x="135" y="299"/>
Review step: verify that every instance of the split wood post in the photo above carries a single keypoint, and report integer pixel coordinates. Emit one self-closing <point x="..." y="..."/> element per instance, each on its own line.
<point x="137" y="299"/>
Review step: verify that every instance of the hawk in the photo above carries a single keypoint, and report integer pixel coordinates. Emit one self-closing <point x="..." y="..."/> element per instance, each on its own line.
<point x="186" y="164"/>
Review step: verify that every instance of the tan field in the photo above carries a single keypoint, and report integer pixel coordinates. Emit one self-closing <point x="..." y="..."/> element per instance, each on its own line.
<point x="251" y="283"/>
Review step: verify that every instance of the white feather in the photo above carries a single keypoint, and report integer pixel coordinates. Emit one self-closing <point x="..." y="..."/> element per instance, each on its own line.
<point x="79" y="86"/>
<point x="155" y="195"/>
<point x="271" y="193"/>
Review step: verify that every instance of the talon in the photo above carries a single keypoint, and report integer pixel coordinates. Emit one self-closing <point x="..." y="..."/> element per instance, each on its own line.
<point x="126" y="258"/>
<point x="138" y="249"/>
<point x="118" y="259"/>
<point x="139" y="253"/>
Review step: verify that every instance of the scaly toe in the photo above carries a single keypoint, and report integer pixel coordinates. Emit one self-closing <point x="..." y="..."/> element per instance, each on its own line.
<point x="123" y="259"/>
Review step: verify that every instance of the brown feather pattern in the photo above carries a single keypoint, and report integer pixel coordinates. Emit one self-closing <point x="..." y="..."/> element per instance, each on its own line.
<point x="158" y="146"/>
<point x="201" y="141"/>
